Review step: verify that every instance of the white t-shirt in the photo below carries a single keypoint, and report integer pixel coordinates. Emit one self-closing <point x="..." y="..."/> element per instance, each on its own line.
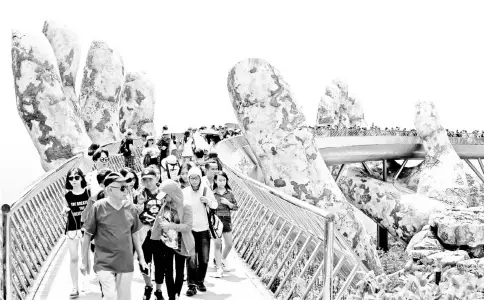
<point x="190" y="197"/>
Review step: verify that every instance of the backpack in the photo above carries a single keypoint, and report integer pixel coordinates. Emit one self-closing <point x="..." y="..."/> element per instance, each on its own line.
<point x="123" y="149"/>
<point x="147" y="160"/>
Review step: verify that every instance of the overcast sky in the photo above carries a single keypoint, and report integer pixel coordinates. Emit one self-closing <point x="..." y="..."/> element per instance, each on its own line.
<point x="391" y="56"/>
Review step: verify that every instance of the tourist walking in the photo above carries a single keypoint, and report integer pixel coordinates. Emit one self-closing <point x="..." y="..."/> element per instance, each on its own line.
<point x="115" y="226"/>
<point x="127" y="150"/>
<point x="76" y="201"/>
<point x="200" y="197"/>
<point x="173" y="227"/>
<point x="100" y="157"/>
<point x="226" y="204"/>
<point x="151" y="198"/>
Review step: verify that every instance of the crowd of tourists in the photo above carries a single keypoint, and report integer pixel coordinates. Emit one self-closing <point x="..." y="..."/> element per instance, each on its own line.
<point x="163" y="219"/>
<point x="373" y="130"/>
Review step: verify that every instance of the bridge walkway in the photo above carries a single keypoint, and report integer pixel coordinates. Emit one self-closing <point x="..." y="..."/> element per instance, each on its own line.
<point x="239" y="283"/>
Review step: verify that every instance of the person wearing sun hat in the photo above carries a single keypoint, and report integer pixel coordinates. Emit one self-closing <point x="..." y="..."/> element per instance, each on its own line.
<point x="115" y="226"/>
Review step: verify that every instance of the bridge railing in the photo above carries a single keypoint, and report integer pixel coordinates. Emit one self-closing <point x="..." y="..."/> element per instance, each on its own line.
<point x="288" y="243"/>
<point x="466" y="139"/>
<point x="32" y="228"/>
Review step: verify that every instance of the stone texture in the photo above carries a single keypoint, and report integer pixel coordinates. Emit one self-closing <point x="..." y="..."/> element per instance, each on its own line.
<point x="137" y="104"/>
<point x="67" y="51"/>
<point x="460" y="226"/>
<point x="42" y="105"/>
<point x="100" y="93"/>
<point x="449" y="258"/>
<point x="285" y="148"/>
<point x="337" y="107"/>
<point x="402" y="212"/>
<point x="441" y="176"/>
<point x="424" y="240"/>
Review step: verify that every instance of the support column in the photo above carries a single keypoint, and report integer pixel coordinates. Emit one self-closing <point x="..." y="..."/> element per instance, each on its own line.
<point x="381" y="232"/>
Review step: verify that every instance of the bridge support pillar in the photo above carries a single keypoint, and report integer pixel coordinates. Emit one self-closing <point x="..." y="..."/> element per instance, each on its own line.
<point x="381" y="232"/>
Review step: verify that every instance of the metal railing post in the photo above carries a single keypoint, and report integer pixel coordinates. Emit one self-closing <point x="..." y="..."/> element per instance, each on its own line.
<point x="328" y="259"/>
<point x="6" y="282"/>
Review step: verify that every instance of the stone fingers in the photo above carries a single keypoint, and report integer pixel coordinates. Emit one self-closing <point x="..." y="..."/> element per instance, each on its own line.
<point x="400" y="210"/>
<point x="42" y="105"/>
<point x="137" y="104"/>
<point x="276" y="131"/>
<point x="100" y="93"/>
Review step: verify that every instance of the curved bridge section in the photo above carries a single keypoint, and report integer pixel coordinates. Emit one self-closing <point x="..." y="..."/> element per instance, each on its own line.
<point x="371" y="146"/>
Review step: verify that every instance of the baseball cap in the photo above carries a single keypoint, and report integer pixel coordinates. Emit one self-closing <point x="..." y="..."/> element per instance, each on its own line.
<point x="113" y="177"/>
<point x="149" y="172"/>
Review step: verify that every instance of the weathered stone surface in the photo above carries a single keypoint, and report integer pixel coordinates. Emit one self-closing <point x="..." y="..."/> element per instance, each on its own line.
<point x="442" y="175"/>
<point x="137" y="104"/>
<point x="275" y="129"/>
<point x="424" y="240"/>
<point x="449" y="258"/>
<point x="100" y="91"/>
<point x="67" y="51"/>
<point x="460" y="226"/>
<point x="337" y="107"/>
<point x="402" y="212"/>
<point x="42" y="105"/>
<point x="468" y="265"/>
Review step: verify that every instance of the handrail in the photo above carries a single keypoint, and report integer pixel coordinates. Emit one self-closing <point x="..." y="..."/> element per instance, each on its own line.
<point x="32" y="227"/>
<point x="299" y="218"/>
<point x="469" y="139"/>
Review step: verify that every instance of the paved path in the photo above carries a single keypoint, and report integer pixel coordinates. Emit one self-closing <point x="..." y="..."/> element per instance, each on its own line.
<point x="241" y="283"/>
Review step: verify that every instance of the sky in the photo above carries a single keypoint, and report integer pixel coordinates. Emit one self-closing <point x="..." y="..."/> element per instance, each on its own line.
<point x="390" y="54"/>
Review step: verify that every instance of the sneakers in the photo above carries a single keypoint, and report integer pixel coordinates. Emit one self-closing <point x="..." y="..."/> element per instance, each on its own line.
<point x="192" y="290"/>
<point x="201" y="287"/>
<point x="74" y="293"/>
<point x="148" y="291"/>
<point x="225" y="265"/>
<point x="159" y="295"/>
<point x="219" y="273"/>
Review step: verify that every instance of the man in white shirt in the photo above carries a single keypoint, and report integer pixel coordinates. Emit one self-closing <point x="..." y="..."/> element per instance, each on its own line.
<point x="199" y="196"/>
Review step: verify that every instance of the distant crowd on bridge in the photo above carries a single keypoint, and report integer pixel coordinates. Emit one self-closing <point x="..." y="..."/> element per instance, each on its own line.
<point x="165" y="218"/>
<point x="337" y="130"/>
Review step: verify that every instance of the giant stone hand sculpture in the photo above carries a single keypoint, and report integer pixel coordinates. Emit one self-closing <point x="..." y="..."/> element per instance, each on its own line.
<point x="48" y="115"/>
<point x="137" y="104"/>
<point x="276" y="131"/>
<point x="338" y="107"/>
<point x="100" y="90"/>
<point x="59" y="123"/>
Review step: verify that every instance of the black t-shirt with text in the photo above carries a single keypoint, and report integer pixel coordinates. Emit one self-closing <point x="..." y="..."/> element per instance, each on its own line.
<point x="76" y="203"/>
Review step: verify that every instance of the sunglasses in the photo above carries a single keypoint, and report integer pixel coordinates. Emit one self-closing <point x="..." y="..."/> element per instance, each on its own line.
<point x="76" y="177"/>
<point x="122" y="188"/>
<point x="129" y="180"/>
<point x="104" y="159"/>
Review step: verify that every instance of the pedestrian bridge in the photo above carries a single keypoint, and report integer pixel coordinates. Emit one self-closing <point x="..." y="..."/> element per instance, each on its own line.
<point x="284" y="248"/>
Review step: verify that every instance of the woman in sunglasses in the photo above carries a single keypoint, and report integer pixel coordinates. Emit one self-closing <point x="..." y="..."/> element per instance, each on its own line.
<point x="76" y="201"/>
<point x="132" y="181"/>
<point x="100" y="157"/>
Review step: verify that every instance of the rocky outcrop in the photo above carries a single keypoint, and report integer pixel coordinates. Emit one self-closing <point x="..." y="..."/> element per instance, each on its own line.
<point x="460" y="226"/>
<point x="137" y="104"/>
<point x="286" y="151"/>
<point x="42" y="105"/>
<point x="441" y="176"/>
<point x="337" y="107"/>
<point x="423" y="244"/>
<point x="100" y="93"/>
<point x="402" y="212"/>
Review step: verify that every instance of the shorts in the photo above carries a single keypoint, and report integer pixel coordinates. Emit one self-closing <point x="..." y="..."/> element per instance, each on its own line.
<point x="227" y="222"/>
<point x="75" y="234"/>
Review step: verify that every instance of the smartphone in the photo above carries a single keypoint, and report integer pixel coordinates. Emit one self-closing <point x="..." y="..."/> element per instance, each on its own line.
<point x="146" y="271"/>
